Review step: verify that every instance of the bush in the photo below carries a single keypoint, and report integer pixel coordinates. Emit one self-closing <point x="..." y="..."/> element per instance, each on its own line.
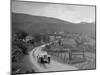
<point x="37" y="37"/>
<point x="20" y="35"/>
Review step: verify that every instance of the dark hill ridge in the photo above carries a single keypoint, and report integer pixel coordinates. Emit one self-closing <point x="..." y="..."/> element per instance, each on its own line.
<point x="33" y="24"/>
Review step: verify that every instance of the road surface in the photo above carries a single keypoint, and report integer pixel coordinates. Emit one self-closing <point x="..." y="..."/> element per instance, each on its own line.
<point x="53" y="66"/>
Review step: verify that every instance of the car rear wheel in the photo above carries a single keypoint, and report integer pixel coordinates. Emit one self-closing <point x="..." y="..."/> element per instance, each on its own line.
<point x="48" y="60"/>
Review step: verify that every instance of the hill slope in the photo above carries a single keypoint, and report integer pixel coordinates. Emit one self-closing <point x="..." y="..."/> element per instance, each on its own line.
<point x="33" y="24"/>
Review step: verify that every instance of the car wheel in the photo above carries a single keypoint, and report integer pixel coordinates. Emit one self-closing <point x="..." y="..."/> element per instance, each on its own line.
<point x="42" y="60"/>
<point x="48" y="60"/>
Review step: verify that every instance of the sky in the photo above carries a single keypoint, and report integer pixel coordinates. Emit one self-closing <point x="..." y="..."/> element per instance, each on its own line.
<point x="71" y="13"/>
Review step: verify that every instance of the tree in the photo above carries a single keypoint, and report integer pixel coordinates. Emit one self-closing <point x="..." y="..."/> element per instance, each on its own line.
<point x="78" y="41"/>
<point x="20" y="35"/>
<point x="45" y="38"/>
<point x="37" y="37"/>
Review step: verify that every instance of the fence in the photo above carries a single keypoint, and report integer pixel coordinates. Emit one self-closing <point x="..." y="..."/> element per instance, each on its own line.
<point x="67" y="55"/>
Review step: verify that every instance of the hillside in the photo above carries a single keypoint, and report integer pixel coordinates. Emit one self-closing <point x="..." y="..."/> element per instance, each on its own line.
<point x="37" y="24"/>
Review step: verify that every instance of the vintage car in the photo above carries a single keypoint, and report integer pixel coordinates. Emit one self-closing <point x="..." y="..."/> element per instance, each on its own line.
<point x="43" y="57"/>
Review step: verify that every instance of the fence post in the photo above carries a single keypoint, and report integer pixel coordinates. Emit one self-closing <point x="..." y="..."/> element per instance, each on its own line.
<point x="83" y="53"/>
<point x="70" y="54"/>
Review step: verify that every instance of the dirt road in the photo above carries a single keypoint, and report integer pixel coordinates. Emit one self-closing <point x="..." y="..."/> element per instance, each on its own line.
<point x="53" y="66"/>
